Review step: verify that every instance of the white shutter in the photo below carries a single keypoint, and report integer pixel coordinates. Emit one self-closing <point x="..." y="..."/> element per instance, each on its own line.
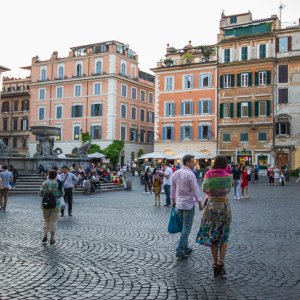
<point x="249" y="52"/>
<point x="231" y="55"/>
<point x="267" y="50"/>
<point x="257" y="51"/>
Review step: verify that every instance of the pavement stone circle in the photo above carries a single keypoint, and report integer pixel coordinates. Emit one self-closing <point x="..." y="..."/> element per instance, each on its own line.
<point x="116" y="246"/>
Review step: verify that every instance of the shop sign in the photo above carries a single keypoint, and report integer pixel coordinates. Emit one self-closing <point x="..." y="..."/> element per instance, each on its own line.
<point x="244" y="152"/>
<point x="105" y="160"/>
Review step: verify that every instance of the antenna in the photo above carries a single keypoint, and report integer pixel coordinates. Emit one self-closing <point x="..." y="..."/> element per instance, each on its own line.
<point x="281" y="7"/>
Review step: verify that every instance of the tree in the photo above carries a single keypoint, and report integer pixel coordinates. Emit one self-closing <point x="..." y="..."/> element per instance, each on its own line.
<point x="113" y="152"/>
<point x="94" y="148"/>
<point x="85" y="136"/>
<point x="140" y="152"/>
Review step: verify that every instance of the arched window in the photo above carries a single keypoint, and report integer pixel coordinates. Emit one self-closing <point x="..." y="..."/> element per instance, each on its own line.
<point x="79" y="70"/>
<point x="123" y="69"/>
<point x="98" y="67"/>
<point x="43" y="74"/>
<point x="61" y="72"/>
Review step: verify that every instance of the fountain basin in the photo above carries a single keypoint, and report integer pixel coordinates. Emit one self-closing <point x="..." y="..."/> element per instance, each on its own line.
<point x="42" y="130"/>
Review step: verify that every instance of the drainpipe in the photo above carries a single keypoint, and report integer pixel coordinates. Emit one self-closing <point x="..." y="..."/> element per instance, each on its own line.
<point x="274" y="101"/>
<point x="217" y="101"/>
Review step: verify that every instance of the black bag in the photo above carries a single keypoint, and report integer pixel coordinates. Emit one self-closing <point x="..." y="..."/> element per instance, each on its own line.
<point x="48" y="201"/>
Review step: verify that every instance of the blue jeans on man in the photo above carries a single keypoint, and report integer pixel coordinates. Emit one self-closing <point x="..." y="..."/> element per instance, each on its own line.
<point x="167" y="189"/>
<point x="186" y="217"/>
<point x="237" y="188"/>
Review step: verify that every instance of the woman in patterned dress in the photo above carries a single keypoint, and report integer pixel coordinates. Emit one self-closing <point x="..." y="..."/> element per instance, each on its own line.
<point x="215" y="223"/>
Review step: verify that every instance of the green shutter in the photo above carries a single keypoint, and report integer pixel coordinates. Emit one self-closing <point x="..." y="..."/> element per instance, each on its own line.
<point x="232" y="80"/>
<point x="222" y="81"/>
<point x="268" y="107"/>
<point x="239" y="105"/>
<point x="256" y="78"/>
<point x="249" y="109"/>
<point x="239" y="79"/>
<point x="231" y="110"/>
<point x="250" y="79"/>
<point x="221" y="110"/>
<point x="256" y="108"/>
<point x="268" y="77"/>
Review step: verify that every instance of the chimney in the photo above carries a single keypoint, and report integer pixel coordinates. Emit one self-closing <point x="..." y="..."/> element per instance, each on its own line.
<point x="89" y="51"/>
<point x="54" y="55"/>
<point x="35" y="59"/>
<point x="72" y="53"/>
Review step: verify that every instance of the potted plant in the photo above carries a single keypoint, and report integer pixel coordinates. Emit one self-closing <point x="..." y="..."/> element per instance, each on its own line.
<point x="188" y="57"/>
<point x="206" y="51"/>
<point x="168" y="62"/>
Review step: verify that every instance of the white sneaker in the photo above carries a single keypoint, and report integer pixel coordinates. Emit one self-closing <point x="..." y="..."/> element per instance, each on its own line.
<point x="234" y="197"/>
<point x="239" y="198"/>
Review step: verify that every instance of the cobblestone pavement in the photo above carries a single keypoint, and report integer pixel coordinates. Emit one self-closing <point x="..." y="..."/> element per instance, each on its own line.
<point x="116" y="247"/>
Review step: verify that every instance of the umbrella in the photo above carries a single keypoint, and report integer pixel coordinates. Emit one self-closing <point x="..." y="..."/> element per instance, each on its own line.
<point x="96" y="155"/>
<point x="155" y="155"/>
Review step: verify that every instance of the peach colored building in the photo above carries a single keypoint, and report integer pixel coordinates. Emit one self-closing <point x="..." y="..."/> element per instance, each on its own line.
<point x="98" y="89"/>
<point x="14" y="114"/>
<point x="185" y="104"/>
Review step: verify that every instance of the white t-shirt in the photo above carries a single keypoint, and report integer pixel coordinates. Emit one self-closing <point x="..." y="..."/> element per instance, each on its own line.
<point x="168" y="172"/>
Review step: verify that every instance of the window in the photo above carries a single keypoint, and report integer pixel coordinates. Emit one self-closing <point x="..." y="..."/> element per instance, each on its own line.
<point x="98" y="67"/>
<point x="169" y="109"/>
<point x="96" y="110"/>
<point x="133" y="134"/>
<point x="262" y="51"/>
<point x="283" y="44"/>
<point x="123" y="133"/>
<point x="244" y="109"/>
<point x="133" y="93"/>
<point x="123" y="69"/>
<point x="25" y="105"/>
<point x="124" y="90"/>
<point x="168" y="133"/>
<point x="79" y="69"/>
<point x="186" y="133"/>
<point x="150" y="97"/>
<point x="15" y="142"/>
<point x="5" y="122"/>
<point x="204" y="107"/>
<point x="97" y="89"/>
<point x="186" y="108"/>
<point x="123" y="111"/>
<point x="150" y="138"/>
<point x="233" y="19"/>
<point x="60" y="73"/>
<point x="169" y="83"/>
<point x="59" y="135"/>
<point x="227" y="81"/>
<point x="5" y="107"/>
<point x="76" y="132"/>
<point x="262" y="78"/>
<point x="188" y="81"/>
<point x="226" y="137"/>
<point x="58" y="112"/>
<point x="96" y="132"/>
<point x="133" y="113"/>
<point x="43" y="75"/>
<point x="226" y="55"/>
<point x="77" y="111"/>
<point x="143" y="95"/>
<point x="227" y="110"/>
<point x="59" y="92"/>
<point x="283" y="96"/>
<point x="41" y="113"/>
<point x="244" y="79"/>
<point x="150" y="116"/>
<point x="244" y="137"/>
<point x="24" y="124"/>
<point x="205" y="80"/>
<point x="77" y="90"/>
<point x="283" y="128"/>
<point x="204" y="132"/>
<point x="244" y="53"/>
<point x="283" y="74"/>
<point x="16" y="105"/>
<point x="262" y="136"/>
<point x="42" y="94"/>
<point x="262" y="108"/>
<point x="142" y="136"/>
<point x="142" y="115"/>
<point x="15" y="123"/>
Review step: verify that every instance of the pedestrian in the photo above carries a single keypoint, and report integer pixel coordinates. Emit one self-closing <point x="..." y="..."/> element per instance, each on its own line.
<point x="51" y="215"/>
<point x="69" y="180"/>
<point x="256" y="172"/>
<point x="185" y="193"/>
<point x="236" y="175"/>
<point x="270" y="174"/>
<point x="216" y="219"/>
<point x="276" y="176"/>
<point x="6" y="178"/>
<point x="167" y="181"/>
<point x="157" y="182"/>
<point x="147" y="180"/>
<point x="298" y="179"/>
<point x="15" y="174"/>
<point x="282" y="179"/>
<point x="244" y="182"/>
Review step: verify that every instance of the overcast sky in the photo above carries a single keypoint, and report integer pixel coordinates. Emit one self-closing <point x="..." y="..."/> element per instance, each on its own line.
<point x="38" y="27"/>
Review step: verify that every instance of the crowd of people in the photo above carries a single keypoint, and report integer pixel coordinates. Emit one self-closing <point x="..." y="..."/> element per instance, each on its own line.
<point x="278" y="176"/>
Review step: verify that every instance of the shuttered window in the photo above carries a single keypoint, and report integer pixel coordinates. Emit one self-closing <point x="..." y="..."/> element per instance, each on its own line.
<point x="283" y="96"/>
<point x="283" y="71"/>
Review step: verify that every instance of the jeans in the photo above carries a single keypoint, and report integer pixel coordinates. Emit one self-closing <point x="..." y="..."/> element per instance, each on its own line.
<point x="237" y="188"/>
<point x="68" y="199"/>
<point x="167" y="189"/>
<point x="186" y="217"/>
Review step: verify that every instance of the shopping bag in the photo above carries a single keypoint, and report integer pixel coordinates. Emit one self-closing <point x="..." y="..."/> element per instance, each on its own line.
<point x="62" y="203"/>
<point x="175" y="224"/>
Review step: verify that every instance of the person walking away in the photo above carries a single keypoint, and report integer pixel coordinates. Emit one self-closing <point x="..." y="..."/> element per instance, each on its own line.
<point x="244" y="182"/>
<point x="256" y="172"/>
<point x="147" y="180"/>
<point x="167" y="175"/>
<point x="185" y="193"/>
<point x="157" y="182"/>
<point x="282" y="178"/>
<point x="69" y="180"/>
<point x="270" y="174"/>
<point x="276" y="175"/>
<point x="6" y="178"/>
<point x="15" y="174"/>
<point x="51" y="215"/>
<point x="215" y="224"/>
<point x="236" y="175"/>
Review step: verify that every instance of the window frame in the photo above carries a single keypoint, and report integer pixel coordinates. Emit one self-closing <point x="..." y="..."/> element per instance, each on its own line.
<point x="41" y="108"/>
<point x="62" y="92"/>
<point x="75" y="90"/>
<point x="133" y="89"/>
<point x="262" y="77"/>
<point x="202" y="77"/>
<point x="97" y="92"/>
<point x="73" y="132"/>
<point x="229" y="135"/>
<point x="245" y="134"/>
<point x="259" y="137"/>
<point x="143" y="92"/>
<point x="244" y="104"/>
<point x="124" y="86"/>
<point x="263" y="102"/>
<point x="62" y="111"/>
<point x="244" y="79"/>
<point x="121" y="111"/>
<point x="133" y="108"/>
<point x="226" y="106"/>
<point x="93" y="110"/>
<point x="167" y="86"/>
<point x="42" y="96"/>
<point x="281" y="45"/>
<point x="76" y="105"/>
<point x="186" y="83"/>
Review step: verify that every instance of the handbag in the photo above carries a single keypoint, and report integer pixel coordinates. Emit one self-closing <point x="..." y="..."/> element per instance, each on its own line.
<point x="62" y="203"/>
<point x="175" y="224"/>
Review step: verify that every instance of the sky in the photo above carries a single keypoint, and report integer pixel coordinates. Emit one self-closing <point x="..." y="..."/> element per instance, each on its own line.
<point x="39" y="27"/>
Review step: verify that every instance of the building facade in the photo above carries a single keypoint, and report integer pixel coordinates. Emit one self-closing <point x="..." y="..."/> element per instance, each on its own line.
<point x="14" y="114"/>
<point x="287" y="98"/>
<point x="98" y="89"/>
<point x="246" y="66"/>
<point x="185" y="103"/>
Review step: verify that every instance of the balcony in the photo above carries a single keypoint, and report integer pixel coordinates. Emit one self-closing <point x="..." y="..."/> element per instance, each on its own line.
<point x="15" y="91"/>
<point x="98" y="74"/>
<point x="60" y="78"/>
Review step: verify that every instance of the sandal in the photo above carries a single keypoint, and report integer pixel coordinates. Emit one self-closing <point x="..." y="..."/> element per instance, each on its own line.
<point x="216" y="270"/>
<point x="222" y="271"/>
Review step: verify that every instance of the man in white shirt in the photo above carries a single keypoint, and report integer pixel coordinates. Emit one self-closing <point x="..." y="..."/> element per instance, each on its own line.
<point x="167" y="184"/>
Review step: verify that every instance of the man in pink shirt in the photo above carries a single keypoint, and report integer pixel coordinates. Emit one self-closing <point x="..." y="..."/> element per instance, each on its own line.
<point x="185" y="193"/>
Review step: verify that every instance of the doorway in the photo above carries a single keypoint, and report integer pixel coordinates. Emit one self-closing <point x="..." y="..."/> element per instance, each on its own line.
<point x="282" y="159"/>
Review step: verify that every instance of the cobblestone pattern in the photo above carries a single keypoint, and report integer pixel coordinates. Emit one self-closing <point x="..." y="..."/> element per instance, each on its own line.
<point x="116" y="247"/>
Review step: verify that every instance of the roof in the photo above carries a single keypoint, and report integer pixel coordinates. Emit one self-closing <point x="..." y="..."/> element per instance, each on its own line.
<point x="4" y="69"/>
<point x="100" y="43"/>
